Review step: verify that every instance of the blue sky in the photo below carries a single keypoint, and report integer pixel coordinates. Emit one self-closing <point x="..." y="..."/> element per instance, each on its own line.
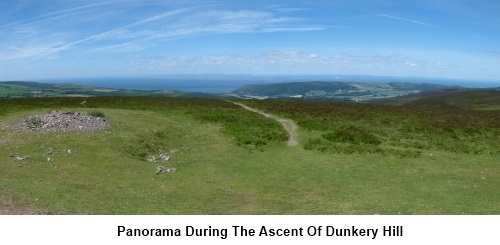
<point x="422" y="38"/>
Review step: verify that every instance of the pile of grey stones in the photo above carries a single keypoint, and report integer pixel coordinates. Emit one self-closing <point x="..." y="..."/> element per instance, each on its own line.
<point x="162" y="157"/>
<point x="62" y="121"/>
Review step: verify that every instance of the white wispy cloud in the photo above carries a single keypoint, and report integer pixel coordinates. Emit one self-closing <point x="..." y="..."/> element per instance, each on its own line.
<point x="124" y="32"/>
<point x="291" y="61"/>
<point x="481" y="38"/>
<point x="70" y="29"/>
<point x="204" y="23"/>
<point x="407" y="20"/>
<point x="239" y="21"/>
<point x="32" y="52"/>
<point x="288" y="10"/>
<point x="55" y="15"/>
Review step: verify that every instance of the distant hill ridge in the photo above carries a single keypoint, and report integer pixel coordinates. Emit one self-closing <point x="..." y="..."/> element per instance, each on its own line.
<point x="344" y="91"/>
<point x="423" y="95"/>
<point x="21" y="89"/>
<point x="460" y="98"/>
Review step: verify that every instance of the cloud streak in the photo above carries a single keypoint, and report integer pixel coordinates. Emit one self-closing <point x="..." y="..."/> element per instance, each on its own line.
<point x="283" y="61"/>
<point x="480" y="38"/>
<point x="60" y="14"/>
<point x="406" y="20"/>
<point x="30" y="40"/>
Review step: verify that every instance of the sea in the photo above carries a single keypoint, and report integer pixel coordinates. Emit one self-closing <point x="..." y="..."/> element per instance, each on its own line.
<point x="191" y="84"/>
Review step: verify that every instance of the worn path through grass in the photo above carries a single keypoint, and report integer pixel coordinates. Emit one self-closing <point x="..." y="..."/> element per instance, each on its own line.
<point x="290" y="126"/>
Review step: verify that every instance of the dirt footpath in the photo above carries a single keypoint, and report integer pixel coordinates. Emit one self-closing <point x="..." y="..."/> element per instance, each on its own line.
<point x="290" y="126"/>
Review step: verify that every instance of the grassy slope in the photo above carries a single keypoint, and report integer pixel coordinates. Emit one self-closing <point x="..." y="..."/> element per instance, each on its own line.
<point x="26" y="89"/>
<point x="476" y="99"/>
<point x="224" y="170"/>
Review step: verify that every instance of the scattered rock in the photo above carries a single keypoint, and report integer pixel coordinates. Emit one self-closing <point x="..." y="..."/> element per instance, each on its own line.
<point x="162" y="170"/>
<point x="50" y="150"/>
<point x="161" y="156"/>
<point x="165" y="157"/>
<point x="16" y="156"/>
<point x="62" y="121"/>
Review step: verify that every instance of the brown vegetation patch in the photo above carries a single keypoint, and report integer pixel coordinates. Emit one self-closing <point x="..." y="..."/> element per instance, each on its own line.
<point x="7" y="207"/>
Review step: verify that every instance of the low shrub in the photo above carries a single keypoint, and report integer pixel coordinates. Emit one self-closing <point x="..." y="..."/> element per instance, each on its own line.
<point x="353" y="135"/>
<point x="34" y="122"/>
<point x="150" y="143"/>
<point x="250" y="130"/>
<point x="322" y="145"/>
<point x="317" y="144"/>
<point x="97" y="114"/>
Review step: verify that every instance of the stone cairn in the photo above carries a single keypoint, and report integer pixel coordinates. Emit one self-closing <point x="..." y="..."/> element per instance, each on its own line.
<point x="62" y="121"/>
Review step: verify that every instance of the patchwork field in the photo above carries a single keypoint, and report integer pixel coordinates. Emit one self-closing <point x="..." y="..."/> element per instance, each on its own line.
<point x="351" y="159"/>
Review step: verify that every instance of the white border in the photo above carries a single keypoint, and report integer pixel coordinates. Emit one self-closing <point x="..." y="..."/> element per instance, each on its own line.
<point x="417" y="229"/>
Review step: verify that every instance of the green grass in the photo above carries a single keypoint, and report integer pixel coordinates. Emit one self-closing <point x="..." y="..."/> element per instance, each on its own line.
<point x="393" y="128"/>
<point x="97" y="114"/>
<point x="458" y="98"/>
<point x="487" y="107"/>
<point x="218" y="173"/>
<point x="352" y="134"/>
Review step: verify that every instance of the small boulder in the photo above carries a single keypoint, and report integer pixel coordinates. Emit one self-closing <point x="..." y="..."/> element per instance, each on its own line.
<point x="18" y="157"/>
<point x="160" y="170"/>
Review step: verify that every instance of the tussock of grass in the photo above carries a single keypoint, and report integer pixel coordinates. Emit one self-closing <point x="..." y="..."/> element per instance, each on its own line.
<point x="34" y="122"/>
<point x="352" y="134"/>
<point x="147" y="144"/>
<point x="322" y="145"/>
<point x="97" y="114"/>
